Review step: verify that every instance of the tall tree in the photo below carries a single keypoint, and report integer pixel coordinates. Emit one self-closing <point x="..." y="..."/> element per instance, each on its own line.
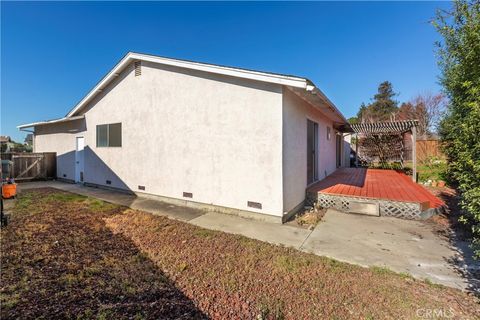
<point x="383" y="106"/>
<point x="427" y="109"/>
<point x="459" y="59"/>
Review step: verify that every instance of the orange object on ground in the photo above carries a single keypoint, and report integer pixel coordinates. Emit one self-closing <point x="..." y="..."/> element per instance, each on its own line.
<point x="9" y="190"/>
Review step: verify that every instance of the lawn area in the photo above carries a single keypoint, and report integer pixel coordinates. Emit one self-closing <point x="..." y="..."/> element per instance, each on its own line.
<point x="431" y="172"/>
<point x="68" y="256"/>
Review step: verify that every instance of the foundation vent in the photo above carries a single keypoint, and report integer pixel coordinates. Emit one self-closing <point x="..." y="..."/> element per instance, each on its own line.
<point x="138" y="68"/>
<point x="188" y="195"/>
<point x="108" y="182"/>
<point x="256" y="205"/>
<point x="141" y="187"/>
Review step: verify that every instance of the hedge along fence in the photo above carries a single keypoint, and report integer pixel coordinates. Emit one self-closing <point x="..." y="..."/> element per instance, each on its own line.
<point x="31" y="166"/>
<point x="427" y="149"/>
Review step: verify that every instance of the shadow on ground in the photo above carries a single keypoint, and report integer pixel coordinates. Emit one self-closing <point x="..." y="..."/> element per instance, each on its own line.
<point x="459" y="236"/>
<point x="60" y="261"/>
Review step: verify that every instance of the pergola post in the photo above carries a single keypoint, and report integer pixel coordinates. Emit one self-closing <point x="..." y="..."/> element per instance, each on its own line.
<point x="414" y="153"/>
<point x="356" y="150"/>
<point x="402" y="149"/>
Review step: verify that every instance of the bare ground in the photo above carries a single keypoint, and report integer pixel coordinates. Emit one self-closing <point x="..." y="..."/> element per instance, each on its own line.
<point x="68" y="256"/>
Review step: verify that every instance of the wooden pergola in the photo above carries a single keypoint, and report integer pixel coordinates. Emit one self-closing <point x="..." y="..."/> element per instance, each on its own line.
<point x="388" y="128"/>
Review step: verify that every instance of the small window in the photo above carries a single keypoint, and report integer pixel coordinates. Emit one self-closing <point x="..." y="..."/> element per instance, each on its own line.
<point x="115" y="135"/>
<point x="329" y="133"/>
<point x="102" y="135"/>
<point x="109" y="135"/>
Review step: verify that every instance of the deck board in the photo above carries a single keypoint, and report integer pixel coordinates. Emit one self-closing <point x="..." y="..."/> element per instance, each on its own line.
<point x="375" y="184"/>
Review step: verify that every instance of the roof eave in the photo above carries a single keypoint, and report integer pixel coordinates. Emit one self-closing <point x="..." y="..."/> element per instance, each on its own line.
<point x="41" y="123"/>
<point x="319" y="92"/>
<point x="317" y="99"/>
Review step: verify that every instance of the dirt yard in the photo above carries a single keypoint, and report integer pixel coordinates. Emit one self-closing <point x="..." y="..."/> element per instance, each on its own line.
<point x="67" y="256"/>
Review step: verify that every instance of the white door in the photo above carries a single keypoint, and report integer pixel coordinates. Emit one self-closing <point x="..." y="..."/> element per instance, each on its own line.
<point x="79" y="159"/>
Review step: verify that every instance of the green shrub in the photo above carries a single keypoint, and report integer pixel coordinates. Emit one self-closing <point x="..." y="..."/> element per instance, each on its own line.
<point x="459" y="55"/>
<point x="432" y="168"/>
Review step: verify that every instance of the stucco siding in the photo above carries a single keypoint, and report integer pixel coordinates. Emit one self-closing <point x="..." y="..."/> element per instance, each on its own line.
<point x="296" y="111"/>
<point x="60" y="138"/>
<point x="215" y="136"/>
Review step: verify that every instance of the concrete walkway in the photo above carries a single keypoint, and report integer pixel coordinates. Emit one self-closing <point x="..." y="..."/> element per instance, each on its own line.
<point x="400" y="245"/>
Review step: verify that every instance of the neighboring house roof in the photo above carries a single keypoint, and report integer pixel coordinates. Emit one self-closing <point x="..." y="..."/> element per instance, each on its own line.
<point x="302" y="86"/>
<point x="4" y="139"/>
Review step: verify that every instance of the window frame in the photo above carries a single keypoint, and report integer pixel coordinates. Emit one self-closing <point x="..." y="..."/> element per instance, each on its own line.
<point x="329" y="133"/>
<point x="107" y="145"/>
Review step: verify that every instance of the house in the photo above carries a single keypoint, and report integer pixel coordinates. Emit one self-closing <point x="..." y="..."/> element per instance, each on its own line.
<point x="28" y="139"/>
<point x="236" y="140"/>
<point x="5" y="139"/>
<point x="6" y="144"/>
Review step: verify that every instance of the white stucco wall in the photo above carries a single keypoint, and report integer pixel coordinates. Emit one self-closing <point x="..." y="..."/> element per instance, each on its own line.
<point x="217" y="137"/>
<point x="296" y="111"/>
<point x="224" y="139"/>
<point x="60" y="138"/>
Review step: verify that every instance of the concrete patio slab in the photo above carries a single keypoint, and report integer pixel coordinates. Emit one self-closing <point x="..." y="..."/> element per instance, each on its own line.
<point x="121" y="198"/>
<point x="265" y="231"/>
<point x="167" y="209"/>
<point x="400" y="245"/>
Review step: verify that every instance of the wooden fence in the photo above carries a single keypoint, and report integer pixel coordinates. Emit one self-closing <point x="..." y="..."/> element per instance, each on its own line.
<point x="32" y="166"/>
<point x="427" y="149"/>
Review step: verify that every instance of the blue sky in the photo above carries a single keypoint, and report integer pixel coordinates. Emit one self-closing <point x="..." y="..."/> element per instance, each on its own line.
<point x="52" y="54"/>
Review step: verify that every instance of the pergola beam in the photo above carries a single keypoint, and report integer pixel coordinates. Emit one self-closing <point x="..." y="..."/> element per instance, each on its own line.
<point x="384" y="127"/>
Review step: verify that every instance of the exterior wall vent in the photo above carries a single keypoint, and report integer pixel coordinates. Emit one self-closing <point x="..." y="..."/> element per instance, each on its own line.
<point x="138" y="68"/>
<point x="141" y="187"/>
<point x="256" y="205"/>
<point x="188" y="195"/>
<point x="108" y="182"/>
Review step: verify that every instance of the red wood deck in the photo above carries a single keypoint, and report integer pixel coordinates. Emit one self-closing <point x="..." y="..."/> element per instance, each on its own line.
<point x="376" y="184"/>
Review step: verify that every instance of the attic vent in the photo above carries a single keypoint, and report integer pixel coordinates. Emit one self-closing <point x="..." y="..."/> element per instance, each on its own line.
<point x="138" y="68"/>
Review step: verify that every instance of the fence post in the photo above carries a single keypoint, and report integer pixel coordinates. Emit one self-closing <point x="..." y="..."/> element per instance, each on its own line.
<point x="414" y="153"/>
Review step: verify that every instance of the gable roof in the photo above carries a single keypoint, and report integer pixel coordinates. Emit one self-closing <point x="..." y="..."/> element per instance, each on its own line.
<point x="302" y="86"/>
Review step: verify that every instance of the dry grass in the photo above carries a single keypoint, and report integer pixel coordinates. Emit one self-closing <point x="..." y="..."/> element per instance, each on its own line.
<point x="310" y="218"/>
<point x="59" y="260"/>
<point x="102" y="255"/>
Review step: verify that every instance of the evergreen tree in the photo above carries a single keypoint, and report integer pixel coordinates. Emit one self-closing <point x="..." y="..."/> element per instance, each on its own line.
<point x="383" y="106"/>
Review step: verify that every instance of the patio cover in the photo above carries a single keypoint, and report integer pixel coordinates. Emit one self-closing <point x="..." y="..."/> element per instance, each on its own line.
<point x="394" y="127"/>
<point x="385" y="127"/>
